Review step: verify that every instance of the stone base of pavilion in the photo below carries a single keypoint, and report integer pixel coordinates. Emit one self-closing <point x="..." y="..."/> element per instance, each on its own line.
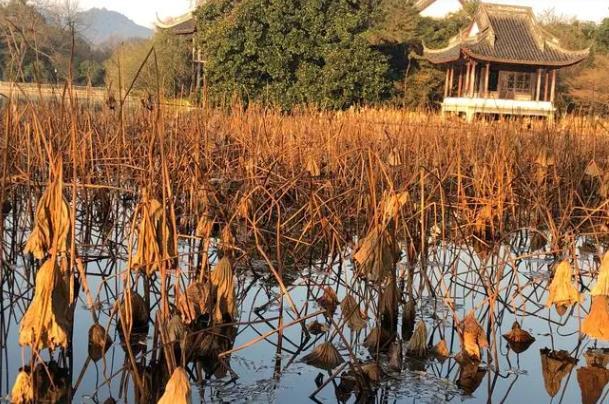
<point x="471" y="107"/>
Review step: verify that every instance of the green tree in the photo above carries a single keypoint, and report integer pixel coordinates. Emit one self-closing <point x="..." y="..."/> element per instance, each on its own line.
<point x="288" y="52"/>
<point x="602" y="36"/>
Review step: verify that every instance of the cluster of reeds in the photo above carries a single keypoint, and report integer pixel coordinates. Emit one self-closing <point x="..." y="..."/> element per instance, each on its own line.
<point x="209" y="192"/>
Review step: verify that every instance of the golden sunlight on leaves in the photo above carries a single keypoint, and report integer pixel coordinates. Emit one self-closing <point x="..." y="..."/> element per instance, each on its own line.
<point x="177" y="390"/>
<point x="52" y="221"/>
<point x="23" y="389"/>
<point x="47" y="320"/>
<point x="223" y="288"/>
<point x="562" y="292"/>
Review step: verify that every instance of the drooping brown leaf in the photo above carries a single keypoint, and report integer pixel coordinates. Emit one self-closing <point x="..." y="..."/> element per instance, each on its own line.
<point x="23" y="389"/>
<point x="99" y="342"/>
<point x="155" y="240"/>
<point x="562" y="292"/>
<point x="376" y="255"/>
<point x="555" y="365"/>
<point x="372" y="372"/>
<point x="394" y="159"/>
<point x="223" y="290"/>
<point x="395" y="355"/>
<point x="592" y="382"/>
<point x="51" y="231"/>
<point x="328" y="301"/>
<point x="46" y="322"/>
<point x="602" y="283"/>
<point x="596" y="324"/>
<point x="417" y="346"/>
<point x="317" y="328"/>
<point x="195" y="302"/>
<point x="324" y="356"/>
<point x="473" y="338"/>
<point x="356" y="319"/>
<point x="311" y="167"/>
<point x="470" y="377"/>
<point x="440" y="350"/>
<point x="408" y="319"/>
<point x="378" y="340"/>
<point x="593" y="170"/>
<point x="177" y="390"/>
<point x="597" y="357"/>
<point x="518" y="339"/>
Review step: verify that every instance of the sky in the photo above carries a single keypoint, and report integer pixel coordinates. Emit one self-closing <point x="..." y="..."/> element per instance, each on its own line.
<point x="144" y="12"/>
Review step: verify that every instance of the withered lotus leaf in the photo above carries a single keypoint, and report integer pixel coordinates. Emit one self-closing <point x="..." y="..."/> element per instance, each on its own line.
<point x="133" y="309"/>
<point x="372" y="371"/>
<point x="311" y="167"/>
<point x="555" y="366"/>
<point x="317" y="328"/>
<point x="562" y="292"/>
<point x="417" y="346"/>
<point x="51" y="222"/>
<point x="440" y="350"/>
<point x="597" y="357"/>
<point x="356" y="319"/>
<point x="23" y="389"/>
<point x="391" y="205"/>
<point x="596" y="324"/>
<point x="394" y="159"/>
<point x="155" y="241"/>
<point x="328" y="301"/>
<point x="518" y="339"/>
<point x="47" y="320"/>
<point x="593" y="170"/>
<point x="470" y="377"/>
<point x="395" y="355"/>
<point x="602" y="284"/>
<point x="175" y="329"/>
<point x="324" y="356"/>
<point x="389" y="305"/>
<point x="194" y="302"/>
<point x="223" y="287"/>
<point x="592" y="382"/>
<point x="177" y="390"/>
<point x="408" y="319"/>
<point x="99" y="342"/>
<point x="472" y="335"/>
<point x="376" y="255"/>
<point x="378" y="340"/>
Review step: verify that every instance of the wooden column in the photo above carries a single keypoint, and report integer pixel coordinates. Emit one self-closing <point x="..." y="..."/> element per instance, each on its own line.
<point x="460" y="85"/>
<point x="468" y="76"/>
<point x="451" y="73"/>
<point x="553" y="86"/>
<point x="487" y="77"/>
<point x="546" y="86"/>
<point x="538" y="89"/>
<point x="473" y="80"/>
<point x="446" y="82"/>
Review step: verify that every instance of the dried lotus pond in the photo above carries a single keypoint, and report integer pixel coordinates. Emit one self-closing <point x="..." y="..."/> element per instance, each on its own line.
<point x="367" y="256"/>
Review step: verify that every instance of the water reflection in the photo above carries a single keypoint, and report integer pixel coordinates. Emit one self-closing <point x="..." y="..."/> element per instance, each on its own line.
<point x="347" y="342"/>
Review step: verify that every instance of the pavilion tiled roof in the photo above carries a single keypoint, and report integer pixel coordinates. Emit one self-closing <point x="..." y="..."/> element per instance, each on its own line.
<point x="507" y="34"/>
<point x="182" y="25"/>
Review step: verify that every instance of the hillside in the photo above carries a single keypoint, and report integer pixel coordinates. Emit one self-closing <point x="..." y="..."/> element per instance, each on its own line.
<point x="101" y="26"/>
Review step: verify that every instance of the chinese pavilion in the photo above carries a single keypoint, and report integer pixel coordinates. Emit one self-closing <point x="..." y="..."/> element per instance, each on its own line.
<point x="504" y="63"/>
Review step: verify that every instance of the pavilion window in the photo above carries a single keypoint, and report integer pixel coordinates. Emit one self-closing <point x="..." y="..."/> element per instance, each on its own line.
<point x="519" y="83"/>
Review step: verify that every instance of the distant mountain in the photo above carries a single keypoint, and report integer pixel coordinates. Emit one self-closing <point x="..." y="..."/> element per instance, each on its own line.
<point x="101" y="26"/>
